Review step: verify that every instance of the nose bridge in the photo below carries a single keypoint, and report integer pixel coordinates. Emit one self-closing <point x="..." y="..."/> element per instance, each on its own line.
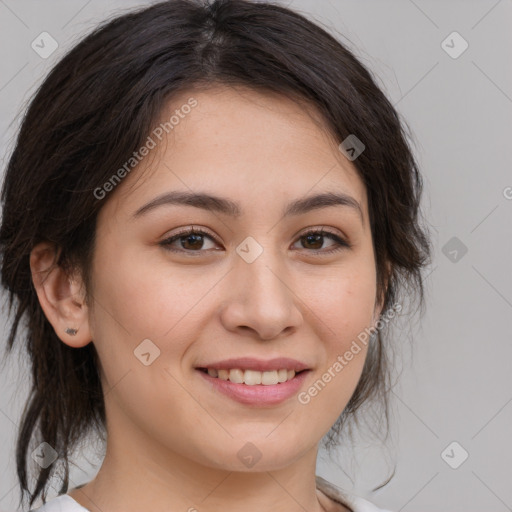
<point x="259" y="296"/>
<point x="262" y="274"/>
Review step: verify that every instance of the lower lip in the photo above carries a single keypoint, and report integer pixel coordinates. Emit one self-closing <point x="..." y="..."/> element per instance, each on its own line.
<point x="259" y="394"/>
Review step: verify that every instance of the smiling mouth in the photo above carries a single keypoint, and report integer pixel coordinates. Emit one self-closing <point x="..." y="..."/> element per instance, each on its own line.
<point x="252" y="377"/>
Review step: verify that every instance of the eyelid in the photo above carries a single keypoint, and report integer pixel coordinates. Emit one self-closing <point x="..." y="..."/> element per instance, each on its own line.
<point x="192" y="228"/>
<point x="324" y="229"/>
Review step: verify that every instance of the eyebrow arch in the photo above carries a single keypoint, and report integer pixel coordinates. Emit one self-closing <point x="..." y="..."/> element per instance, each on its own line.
<point x="228" y="207"/>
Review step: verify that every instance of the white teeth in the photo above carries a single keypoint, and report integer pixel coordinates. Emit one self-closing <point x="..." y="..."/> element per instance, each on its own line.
<point x="223" y="374"/>
<point x="236" y="376"/>
<point x="269" y="378"/>
<point x="282" y="375"/>
<point x="253" y="377"/>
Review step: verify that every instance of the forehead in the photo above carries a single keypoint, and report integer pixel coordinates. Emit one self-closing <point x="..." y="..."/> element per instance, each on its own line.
<point x="241" y="143"/>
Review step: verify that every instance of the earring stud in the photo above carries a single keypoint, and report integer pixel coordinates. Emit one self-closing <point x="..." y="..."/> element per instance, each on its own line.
<point x="71" y="332"/>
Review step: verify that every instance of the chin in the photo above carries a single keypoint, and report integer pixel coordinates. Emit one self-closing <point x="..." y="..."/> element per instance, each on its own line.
<point x="257" y="455"/>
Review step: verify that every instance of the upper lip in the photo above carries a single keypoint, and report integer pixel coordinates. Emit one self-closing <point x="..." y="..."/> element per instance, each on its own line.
<point x="261" y="365"/>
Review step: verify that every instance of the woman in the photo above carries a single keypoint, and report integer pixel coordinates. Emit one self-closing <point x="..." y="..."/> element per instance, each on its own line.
<point x="207" y="220"/>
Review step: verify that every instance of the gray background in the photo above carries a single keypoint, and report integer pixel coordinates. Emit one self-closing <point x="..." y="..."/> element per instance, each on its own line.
<point x="456" y="383"/>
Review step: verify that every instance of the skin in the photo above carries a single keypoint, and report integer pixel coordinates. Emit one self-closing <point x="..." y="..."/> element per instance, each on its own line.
<point x="172" y="440"/>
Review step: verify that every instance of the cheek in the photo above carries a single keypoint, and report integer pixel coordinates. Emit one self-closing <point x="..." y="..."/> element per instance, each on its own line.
<point x="343" y="307"/>
<point x="136" y="302"/>
<point x="155" y="301"/>
<point x="344" y="302"/>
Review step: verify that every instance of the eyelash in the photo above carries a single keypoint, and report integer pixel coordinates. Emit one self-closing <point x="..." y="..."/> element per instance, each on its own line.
<point x="341" y="244"/>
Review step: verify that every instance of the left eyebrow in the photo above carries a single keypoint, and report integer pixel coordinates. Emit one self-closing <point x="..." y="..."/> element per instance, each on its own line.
<point x="226" y="206"/>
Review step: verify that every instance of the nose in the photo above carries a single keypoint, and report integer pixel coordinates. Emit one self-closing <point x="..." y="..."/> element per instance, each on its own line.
<point x="261" y="299"/>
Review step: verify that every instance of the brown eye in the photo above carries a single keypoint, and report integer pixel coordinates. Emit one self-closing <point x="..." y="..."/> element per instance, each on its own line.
<point x="190" y="240"/>
<point x="193" y="241"/>
<point x="314" y="240"/>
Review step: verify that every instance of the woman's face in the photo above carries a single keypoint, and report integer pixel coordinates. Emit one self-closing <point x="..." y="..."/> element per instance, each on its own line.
<point x="255" y="286"/>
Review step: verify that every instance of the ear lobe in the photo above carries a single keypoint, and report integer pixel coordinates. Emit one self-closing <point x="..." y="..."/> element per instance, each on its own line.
<point x="61" y="297"/>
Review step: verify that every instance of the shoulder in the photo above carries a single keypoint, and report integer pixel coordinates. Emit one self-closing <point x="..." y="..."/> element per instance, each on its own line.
<point x="62" y="503"/>
<point x="351" y="501"/>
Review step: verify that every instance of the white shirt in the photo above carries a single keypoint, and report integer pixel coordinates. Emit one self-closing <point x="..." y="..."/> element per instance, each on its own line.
<point x="65" y="503"/>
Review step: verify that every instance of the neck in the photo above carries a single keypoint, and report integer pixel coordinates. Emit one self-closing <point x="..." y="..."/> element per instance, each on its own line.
<point x="146" y="478"/>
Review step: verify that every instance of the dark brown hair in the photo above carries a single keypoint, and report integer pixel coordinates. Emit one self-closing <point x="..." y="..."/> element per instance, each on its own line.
<point x="98" y="105"/>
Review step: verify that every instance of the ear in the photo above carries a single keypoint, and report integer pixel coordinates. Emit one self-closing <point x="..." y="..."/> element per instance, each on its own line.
<point x="61" y="296"/>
